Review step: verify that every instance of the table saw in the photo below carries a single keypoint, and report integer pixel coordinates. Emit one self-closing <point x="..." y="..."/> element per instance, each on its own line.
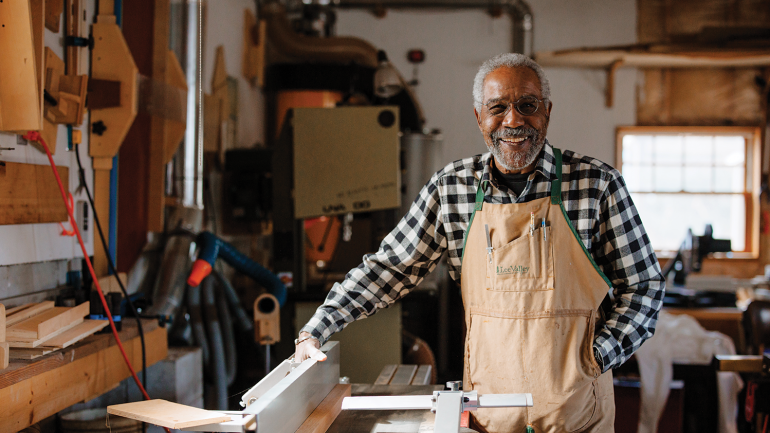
<point x="307" y="397"/>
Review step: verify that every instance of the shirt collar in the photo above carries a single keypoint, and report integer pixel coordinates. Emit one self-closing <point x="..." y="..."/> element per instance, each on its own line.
<point x="545" y="165"/>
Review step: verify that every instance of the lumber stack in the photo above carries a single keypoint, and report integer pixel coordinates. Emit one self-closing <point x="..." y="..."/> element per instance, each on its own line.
<point x="34" y="330"/>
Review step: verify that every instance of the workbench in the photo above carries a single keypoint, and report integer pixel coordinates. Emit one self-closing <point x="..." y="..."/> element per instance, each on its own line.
<point x="31" y="390"/>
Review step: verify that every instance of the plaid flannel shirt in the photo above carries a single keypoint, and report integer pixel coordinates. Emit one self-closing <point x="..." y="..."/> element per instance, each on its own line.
<point x="597" y="203"/>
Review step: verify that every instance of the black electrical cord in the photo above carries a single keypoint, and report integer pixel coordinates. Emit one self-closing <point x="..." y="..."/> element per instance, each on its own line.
<point x="82" y="177"/>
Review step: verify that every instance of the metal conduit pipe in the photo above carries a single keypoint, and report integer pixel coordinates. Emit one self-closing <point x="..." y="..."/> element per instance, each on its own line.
<point x="518" y="10"/>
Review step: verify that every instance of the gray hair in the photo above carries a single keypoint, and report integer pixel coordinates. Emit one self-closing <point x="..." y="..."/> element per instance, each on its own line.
<point x="510" y="60"/>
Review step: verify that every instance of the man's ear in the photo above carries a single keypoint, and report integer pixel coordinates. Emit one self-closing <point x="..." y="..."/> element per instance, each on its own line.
<point x="550" y="105"/>
<point x="478" y="120"/>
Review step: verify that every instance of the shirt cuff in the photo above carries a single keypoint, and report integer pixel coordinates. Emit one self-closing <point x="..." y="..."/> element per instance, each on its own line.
<point x="598" y="358"/>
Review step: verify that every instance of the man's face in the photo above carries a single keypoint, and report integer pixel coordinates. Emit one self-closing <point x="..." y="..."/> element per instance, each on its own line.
<point x="514" y="139"/>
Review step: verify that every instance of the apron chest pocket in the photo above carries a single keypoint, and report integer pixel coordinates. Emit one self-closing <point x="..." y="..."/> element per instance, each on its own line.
<point x="522" y="265"/>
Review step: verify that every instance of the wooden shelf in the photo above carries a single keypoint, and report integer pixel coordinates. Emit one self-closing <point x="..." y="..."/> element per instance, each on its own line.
<point x="654" y="56"/>
<point x="36" y="389"/>
<point x="606" y="58"/>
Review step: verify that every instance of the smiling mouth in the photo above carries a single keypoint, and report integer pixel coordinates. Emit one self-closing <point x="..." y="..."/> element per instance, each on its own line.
<point x="513" y="140"/>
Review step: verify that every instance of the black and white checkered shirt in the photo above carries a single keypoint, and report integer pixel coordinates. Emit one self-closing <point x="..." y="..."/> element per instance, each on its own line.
<point x="597" y="203"/>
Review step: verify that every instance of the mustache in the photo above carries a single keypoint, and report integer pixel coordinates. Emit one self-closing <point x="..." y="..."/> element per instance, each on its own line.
<point x="522" y="131"/>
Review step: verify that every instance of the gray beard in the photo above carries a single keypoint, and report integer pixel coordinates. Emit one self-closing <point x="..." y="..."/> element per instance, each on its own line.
<point x="516" y="160"/>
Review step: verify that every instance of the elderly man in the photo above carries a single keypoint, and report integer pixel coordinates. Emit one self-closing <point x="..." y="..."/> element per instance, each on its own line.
<point x="537" y="240"/>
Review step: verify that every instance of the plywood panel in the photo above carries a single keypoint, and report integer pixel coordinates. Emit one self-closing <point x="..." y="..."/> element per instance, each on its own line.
<point x="19" y="94"/>
<point x="29" y="193"/>
<point x="167" y="414"/>
<point x="700" y="97"/>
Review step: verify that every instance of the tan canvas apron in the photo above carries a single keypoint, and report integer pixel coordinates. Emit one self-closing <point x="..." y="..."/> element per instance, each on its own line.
<point x="530" y="310"/>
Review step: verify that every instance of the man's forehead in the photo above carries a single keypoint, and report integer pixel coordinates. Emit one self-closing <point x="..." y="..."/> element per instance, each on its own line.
<point x="511" y="82"/>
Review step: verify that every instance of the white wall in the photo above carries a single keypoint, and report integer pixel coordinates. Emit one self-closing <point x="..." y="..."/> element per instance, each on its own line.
<point x="224" y="26"/>
<point x="457" y="42"/>
<point x="25" y="243"/>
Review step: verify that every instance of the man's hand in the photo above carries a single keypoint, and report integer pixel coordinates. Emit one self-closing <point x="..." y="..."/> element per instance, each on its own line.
<point x="309" y="348"/>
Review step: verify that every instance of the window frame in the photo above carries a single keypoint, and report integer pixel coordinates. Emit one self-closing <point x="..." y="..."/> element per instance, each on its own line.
<point x="753" y="136"/>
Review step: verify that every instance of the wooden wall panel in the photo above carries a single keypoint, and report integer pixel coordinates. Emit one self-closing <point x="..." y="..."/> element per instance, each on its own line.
<point x="29" y="194"/>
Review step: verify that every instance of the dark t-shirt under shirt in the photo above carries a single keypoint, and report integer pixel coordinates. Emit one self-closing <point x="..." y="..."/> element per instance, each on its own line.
<point x="515" y="182"/>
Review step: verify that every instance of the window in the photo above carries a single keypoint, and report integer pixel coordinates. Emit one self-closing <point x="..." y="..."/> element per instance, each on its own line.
<point x="687" y="177"/>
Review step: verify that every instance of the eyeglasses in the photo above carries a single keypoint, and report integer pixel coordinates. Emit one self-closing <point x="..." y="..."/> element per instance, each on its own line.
<point x="526" y="106"/>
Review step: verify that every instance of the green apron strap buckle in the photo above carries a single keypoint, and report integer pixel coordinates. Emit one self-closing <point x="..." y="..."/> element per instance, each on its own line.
<point x="480" y="196"/>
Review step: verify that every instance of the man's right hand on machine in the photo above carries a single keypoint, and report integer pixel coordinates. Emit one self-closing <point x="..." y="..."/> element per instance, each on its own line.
<point x="307" y="347"/>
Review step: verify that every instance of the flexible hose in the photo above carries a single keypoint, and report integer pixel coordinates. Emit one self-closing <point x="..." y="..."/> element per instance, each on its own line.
<point x="241" y="319"/>
<point x="228" y="337"/>
<point x="196" y="322"/>
<point x="210" y="247"/>
<point x="35" y="136"/>
<point x="214" y="335"/>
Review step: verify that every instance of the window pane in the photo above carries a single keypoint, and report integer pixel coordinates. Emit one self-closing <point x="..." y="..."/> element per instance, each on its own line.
<point x="698" y="179"/>
<point x="638" y="178"/>
<point x="729" y="179"/>
<point x="637" y="149"/>
<point x="699" y="150"/>
<point x="668" y="150"/>
<point x="667" y="217"/>
<point x="730" y="150"/>
<point x="667" y="179"/>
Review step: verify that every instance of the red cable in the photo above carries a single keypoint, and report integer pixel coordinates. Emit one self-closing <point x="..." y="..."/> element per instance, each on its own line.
<point x="35" y="136"/>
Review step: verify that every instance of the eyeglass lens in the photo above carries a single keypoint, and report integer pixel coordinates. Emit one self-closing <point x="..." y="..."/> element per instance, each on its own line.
<point x="526" y="106"/>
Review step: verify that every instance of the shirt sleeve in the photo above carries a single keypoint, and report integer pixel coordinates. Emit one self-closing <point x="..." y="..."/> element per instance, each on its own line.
<point x="406" y="255"/>
<point x="627" y="258"/>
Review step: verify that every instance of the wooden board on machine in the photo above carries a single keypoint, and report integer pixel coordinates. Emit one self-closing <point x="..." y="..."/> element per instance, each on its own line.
<point x="167" y="414"/>
<point x="29" y="194"/>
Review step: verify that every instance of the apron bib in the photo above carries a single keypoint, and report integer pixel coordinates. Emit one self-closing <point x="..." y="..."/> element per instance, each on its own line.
<point x="531" y="302"/>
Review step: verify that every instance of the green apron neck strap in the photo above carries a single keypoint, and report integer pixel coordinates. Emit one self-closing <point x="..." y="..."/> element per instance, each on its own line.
<point x="556" y="183"/>
<point x="480" y="195"/>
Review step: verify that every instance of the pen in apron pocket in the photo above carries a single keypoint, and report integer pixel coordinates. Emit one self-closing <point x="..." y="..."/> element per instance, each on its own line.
<point x="489" y="243"/>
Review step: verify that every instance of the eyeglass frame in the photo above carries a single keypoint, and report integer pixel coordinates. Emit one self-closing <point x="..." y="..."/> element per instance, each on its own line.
<point x="515" y="104"/>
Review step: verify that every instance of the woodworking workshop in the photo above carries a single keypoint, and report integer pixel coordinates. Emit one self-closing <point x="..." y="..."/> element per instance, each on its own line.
<point x="335" y="216"/>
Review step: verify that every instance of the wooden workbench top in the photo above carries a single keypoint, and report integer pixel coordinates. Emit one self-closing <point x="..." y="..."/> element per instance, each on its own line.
<point x="32" y="390"/>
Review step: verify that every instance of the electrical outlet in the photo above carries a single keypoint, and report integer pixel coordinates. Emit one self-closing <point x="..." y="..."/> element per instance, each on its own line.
<point x="83" y="219"/>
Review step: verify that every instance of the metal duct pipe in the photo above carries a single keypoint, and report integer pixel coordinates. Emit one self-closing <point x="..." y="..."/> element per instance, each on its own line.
<point x="518" y="10"/>
<point x="291" y="44"/>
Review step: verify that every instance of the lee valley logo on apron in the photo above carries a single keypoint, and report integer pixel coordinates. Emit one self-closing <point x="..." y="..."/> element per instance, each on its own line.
<point x="510" y="270"/>
<point x="531" y="293"/>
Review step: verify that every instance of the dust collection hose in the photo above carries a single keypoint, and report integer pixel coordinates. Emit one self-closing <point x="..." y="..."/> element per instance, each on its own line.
<point x="210" y="247"/>
<point x="218" y="366"/>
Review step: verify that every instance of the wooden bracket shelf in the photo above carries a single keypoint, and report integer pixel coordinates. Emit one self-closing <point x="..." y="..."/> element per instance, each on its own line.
<point x="32" y="390"/>
<point x="652" y="56"/>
